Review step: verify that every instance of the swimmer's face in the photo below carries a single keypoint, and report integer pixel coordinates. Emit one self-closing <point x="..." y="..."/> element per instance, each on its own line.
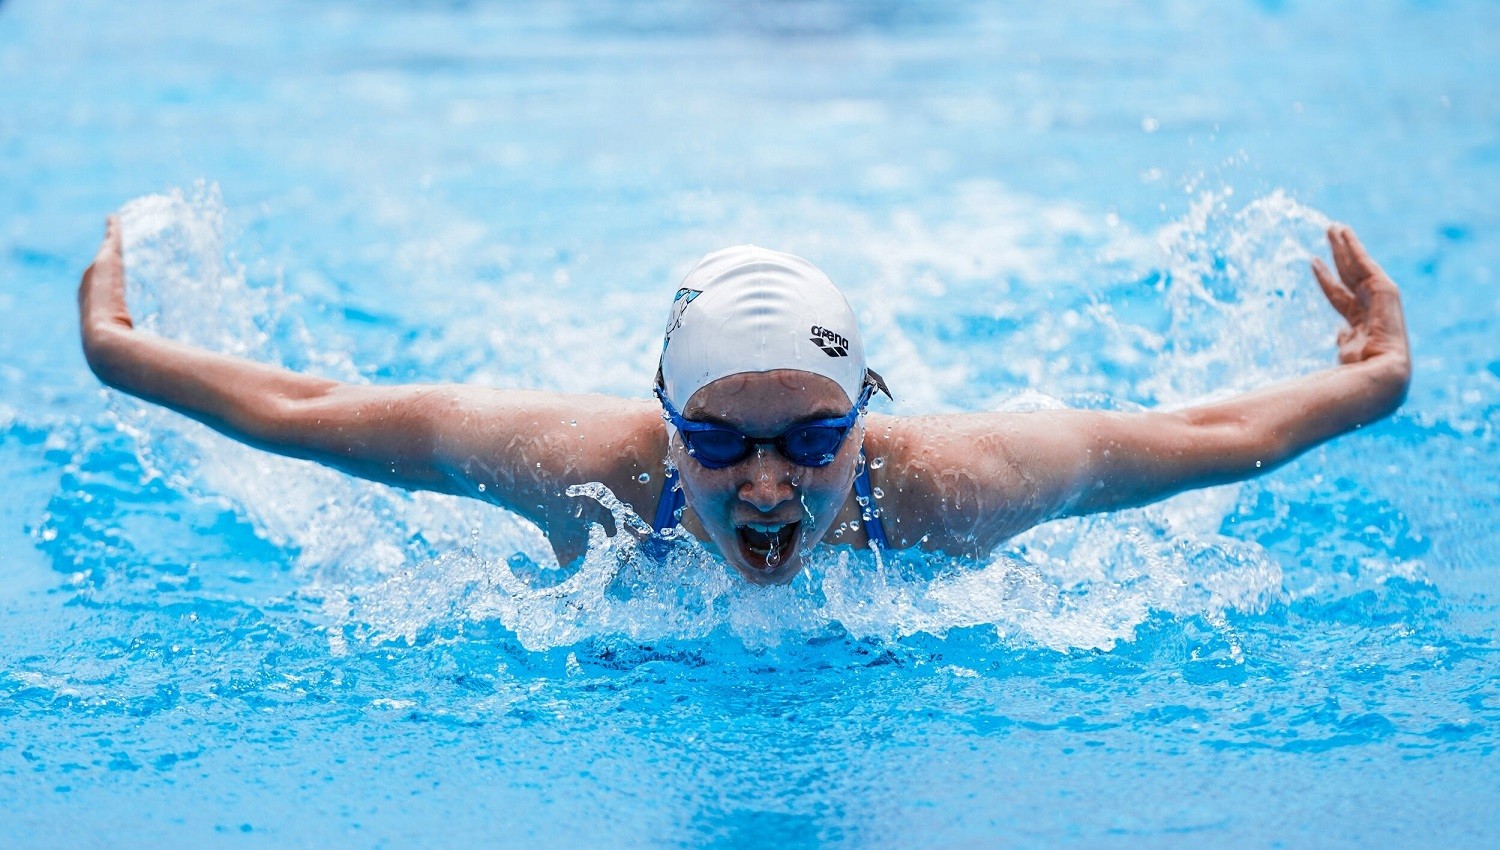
<point x="764" y="512"/>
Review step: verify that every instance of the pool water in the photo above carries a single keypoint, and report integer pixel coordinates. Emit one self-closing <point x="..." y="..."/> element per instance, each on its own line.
<point x="1106" y="206"/>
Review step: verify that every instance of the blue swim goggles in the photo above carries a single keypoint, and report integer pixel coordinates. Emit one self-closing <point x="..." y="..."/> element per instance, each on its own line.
<point x="812" y="443"/>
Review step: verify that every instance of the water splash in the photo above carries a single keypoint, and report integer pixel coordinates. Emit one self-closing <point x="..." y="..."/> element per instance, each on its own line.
<point x="1243" y="304"/>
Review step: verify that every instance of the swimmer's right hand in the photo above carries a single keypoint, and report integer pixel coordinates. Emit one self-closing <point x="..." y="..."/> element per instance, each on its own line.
<point x="102" y="313"/>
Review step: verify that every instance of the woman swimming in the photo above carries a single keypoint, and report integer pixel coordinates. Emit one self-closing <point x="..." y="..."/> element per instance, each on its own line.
<point x="759" y="444"/>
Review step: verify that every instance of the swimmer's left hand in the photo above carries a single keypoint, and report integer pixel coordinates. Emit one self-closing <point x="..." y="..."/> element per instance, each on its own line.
<point x="1369" y="301"/>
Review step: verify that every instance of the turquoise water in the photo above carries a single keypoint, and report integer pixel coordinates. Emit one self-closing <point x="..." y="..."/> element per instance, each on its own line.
<point x="1101" y="206"/>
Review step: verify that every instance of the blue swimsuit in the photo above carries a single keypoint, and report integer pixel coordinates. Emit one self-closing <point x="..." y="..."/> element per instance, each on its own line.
<point x="672" y="501"/>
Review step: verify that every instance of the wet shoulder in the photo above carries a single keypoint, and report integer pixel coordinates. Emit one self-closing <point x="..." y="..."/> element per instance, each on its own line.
<point x="623" y="444"/>
<point x="942" y="479"/>
<point x="530" y="446"/>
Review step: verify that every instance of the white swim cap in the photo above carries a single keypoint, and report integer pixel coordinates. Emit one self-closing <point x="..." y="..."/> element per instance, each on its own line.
<point x="747" y="309"/>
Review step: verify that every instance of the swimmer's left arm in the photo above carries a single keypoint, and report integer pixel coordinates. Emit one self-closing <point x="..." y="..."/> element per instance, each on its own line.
<point x="1022" y="469"/>
<point x="1138" y="458"/>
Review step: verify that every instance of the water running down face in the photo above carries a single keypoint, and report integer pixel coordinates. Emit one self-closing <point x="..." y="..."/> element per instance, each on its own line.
<point x="765" y="512"/>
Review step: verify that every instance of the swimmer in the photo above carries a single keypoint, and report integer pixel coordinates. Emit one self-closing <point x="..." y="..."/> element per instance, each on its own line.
<point x="758" y="442"/>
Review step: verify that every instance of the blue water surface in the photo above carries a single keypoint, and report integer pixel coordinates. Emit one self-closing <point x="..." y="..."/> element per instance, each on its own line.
<point x="1105" y="205"/>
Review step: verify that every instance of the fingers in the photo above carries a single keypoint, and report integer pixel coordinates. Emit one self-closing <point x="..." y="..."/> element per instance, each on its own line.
<point x="1356" y="249"/>
<point x="110" y="248"/>
<point x="1368" y="299"/>
<point x="1354" y="263"/>
<point x="1341" y="258"/>
<point x="1338" y="295"/>
<point x="101" y="293"/>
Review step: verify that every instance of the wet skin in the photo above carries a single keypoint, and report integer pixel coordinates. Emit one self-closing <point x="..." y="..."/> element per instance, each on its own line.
<point x="766" y="488"/>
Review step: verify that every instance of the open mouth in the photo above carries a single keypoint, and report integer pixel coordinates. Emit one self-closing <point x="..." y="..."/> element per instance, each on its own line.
<point x="767" y="546"/>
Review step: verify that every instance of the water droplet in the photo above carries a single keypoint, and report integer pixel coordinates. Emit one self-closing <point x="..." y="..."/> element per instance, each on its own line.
<point x="877" y="462"/>
<point x="481" y="486"/>
<point x="573" y="423"/>
<point x="854" y="526"/>
<point x="643" y="477"/>
<point x="879" y="493"/>
<point x="863" y="501"/>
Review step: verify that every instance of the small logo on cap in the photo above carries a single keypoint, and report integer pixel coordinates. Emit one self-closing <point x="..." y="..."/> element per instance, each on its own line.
<point x="680" y="303"/>
<point x="833" y="344"/>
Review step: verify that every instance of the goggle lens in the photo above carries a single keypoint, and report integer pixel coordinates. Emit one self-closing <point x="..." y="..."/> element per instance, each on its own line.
<point x="812" y="446"/>
<point x="720" y="447"/>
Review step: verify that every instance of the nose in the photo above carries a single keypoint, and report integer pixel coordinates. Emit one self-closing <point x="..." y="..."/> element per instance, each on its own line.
<point x="769" y="482"/>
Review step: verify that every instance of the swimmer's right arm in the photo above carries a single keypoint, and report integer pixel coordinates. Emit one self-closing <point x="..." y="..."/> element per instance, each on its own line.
<point x="517" y="449"/>
<point x="364" y="430"/>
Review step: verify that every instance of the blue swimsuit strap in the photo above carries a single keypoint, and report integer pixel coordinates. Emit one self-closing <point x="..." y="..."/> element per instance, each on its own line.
<point x="669" y="504"/>
<point x="672" y="501"/>
<point x="873" y="526"/>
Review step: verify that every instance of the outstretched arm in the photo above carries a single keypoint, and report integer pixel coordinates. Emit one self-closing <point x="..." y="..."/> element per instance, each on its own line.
<point x="373" y="432"/>
<point x="1028" y="468"/>
<point x="1142" y="458"/>
<point x="517" y="449"/>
